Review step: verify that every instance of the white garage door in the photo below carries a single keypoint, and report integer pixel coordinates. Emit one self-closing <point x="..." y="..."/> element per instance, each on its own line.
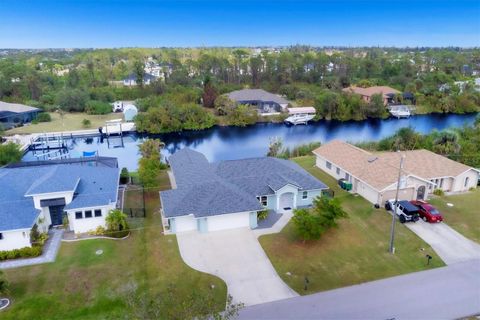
<point x="187" y="223"/>
<point x="228" y="221"/>
<point x="286" y="201"/>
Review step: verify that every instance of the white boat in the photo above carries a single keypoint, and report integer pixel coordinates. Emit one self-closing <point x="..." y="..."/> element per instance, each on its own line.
<point x="300" y="115"/>
<point x="401" y="111"/>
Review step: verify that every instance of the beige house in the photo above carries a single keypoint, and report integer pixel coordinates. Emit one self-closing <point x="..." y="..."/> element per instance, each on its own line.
<point x="386" y="92"/>
<point x="374" y="176"/>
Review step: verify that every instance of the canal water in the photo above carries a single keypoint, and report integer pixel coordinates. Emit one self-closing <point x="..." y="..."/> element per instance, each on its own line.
<point x="225" y="143"/>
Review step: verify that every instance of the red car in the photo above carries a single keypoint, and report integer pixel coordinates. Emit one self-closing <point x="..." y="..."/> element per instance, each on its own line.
<point x="427" y="212"/>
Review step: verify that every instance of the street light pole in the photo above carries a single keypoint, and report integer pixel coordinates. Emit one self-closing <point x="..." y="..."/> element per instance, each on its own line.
<point x="394" y="216"/>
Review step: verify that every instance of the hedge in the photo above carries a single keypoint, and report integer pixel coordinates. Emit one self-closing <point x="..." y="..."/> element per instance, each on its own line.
<point x="26" y="252"/>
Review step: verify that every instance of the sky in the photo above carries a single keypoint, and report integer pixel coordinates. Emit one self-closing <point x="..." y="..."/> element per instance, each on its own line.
<point x="182" y="23"/>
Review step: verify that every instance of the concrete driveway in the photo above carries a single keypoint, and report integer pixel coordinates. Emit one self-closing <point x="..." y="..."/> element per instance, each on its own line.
<point x="450" y="245"/>
<point x="236" y="257"/>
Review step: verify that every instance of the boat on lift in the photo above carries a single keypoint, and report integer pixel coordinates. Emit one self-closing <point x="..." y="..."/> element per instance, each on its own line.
<point x="300" y="115"/>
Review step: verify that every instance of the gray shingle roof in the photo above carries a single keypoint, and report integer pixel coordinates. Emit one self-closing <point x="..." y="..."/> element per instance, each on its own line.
<point x="96" y="186"/>
<point x="205" y="189"/>
<point x="255" y="95"/>
<point x="16" y="107"/>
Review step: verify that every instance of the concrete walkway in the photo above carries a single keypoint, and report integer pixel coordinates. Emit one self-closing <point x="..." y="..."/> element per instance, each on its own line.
<point x="451" y="292"/>
<point x="237" y="258"/>
<point x="49" y="253"/>
<point x="450" y="245"/>
<point x="277" y="227"/>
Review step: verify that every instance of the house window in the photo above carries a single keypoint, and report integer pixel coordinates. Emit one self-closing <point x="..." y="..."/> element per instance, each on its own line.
<point x="329" y="165"/>
<point x="263" y="200"/>
<point x="466" y="181"/>
<point x="441" y="183"/>
<point x="1" y="236"/>
<point x="347" y="176"/>
<point x="88" y="214"/>
<point x="304" y="194"/>
<point x="98" y="213"/>
<point x="338" y="171"/>
<point x="78" y="215"/>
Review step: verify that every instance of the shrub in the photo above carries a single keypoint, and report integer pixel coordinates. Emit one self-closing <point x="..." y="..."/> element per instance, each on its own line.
<point x="3" y="283"/>
<point x="438" y="192"/>
<point x="262" y="215"/>
<point x="116" y="220"/>
<point x="99" y="231"/>
<point x="9" y="153"/>
<point x="86" y="123"/>
<point x="72" y="99"/>
<point x="98" y="107"/>
<point x="26" y="252"/>
<point x="44" y="117"/>
<point x="124" y="176"/>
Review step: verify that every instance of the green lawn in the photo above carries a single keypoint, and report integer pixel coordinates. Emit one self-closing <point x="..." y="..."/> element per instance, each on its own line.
<point x="464" y="216"/>
<point x="70" y="122"/>
<point x="82" y="285"/>
<point x="355" y="252"/>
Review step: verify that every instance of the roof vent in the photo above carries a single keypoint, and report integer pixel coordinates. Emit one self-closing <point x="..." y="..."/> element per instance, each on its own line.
<point x="372" y="159"/>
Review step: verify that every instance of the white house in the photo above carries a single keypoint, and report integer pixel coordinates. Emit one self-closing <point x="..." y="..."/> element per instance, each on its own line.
<point x="229" y="194"/>
<point x="43" y="194"/>
<point x="131" y="80"/>
<point x="374" y="176"/>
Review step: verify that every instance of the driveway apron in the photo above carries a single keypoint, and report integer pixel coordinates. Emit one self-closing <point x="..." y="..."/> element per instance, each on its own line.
<point x="236" y="257"/>
<point x="450" y="245"/>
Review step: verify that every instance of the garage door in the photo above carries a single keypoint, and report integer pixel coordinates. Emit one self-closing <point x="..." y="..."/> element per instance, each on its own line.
<point x="187" y="223"/>
<point x="228" y="221"/>
<point x="404" y="194"/>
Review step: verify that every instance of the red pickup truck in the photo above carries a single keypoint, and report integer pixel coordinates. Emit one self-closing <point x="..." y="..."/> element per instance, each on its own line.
<point x="427" y="212"/>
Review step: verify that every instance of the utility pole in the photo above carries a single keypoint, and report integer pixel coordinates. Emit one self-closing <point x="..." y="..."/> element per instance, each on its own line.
<point x="394" y="216"/>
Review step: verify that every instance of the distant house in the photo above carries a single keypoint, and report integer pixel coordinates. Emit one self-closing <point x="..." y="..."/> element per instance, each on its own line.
<point x="44" y="193"/>
<point x="387" y="93"/>
<point x="229" y="194"/>
<point x="131" y="80"/>
<point x="374" y="176"/>
<point x="158" y="70"/>
<point x="15" y="114"/>
<point x="266" y="103"/>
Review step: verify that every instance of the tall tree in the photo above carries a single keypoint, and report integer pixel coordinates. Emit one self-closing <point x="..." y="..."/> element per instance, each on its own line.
<point x="139" y="71"/>
<point x="209" y="93"/>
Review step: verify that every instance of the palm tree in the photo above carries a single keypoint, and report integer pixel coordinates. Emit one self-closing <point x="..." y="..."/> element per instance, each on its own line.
<point x="446" y="143"/>
<point x="116" y="220"/>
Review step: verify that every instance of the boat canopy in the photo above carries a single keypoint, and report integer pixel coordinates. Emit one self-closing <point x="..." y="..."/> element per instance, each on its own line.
<point x="301" y="110"/>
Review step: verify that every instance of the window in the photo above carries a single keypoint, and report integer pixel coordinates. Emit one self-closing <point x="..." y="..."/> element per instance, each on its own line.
<point x="329" y="165"/>
<point x="466" y="181"/>
<point x="304" y="194"/>
<point x="78" y="215"/>
<point x="88" y="214"/>
<point x="441" y="183"/>
<point x="338" y="170"/>
<point x="98" y="213"/>
<point x="263" y="201"/>
<point x="347" y="176"/>
<point x="1" y="236"/>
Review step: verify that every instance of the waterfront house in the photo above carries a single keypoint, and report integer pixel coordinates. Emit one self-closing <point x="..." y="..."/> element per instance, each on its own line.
<point x="131" y="80"/>
<point x="15" y="114"/>
<point x="42" y="193"/>
<point x="266" y="103"/>
<point x="229" y="194"/>
<point x="387" y="93"/>
<point x="374" y="176"/>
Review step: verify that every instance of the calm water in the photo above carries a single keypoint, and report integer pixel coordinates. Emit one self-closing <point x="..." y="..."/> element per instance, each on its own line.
<point x="223" y="143"/>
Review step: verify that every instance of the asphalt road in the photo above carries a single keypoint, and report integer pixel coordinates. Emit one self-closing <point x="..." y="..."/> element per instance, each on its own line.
<point x="444" y="293"/>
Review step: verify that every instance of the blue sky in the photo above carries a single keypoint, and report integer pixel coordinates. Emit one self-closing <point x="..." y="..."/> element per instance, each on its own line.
<point x="150" y="23"/>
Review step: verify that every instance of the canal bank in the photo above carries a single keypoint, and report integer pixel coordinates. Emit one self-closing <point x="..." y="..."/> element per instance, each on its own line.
<point x="226" y="143"/>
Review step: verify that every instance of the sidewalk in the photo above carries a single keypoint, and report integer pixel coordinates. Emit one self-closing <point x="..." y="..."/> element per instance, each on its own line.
<point x="49" y="253"/>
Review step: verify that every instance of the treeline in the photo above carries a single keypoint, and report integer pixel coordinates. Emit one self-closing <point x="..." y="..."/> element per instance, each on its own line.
<point x="460" y="144"/>
<point x="87" y="80"/>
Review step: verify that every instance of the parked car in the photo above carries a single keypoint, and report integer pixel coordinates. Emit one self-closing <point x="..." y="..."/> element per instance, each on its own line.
<point x="406" y="211"/>
<point x="427" y="212"/>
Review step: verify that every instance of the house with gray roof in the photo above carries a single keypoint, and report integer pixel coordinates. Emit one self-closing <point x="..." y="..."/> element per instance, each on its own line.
<point x="15" y="114"/>
<point x="266" y="103"/>
<point x="229" y="194"/>
<point x="44" y="194"/>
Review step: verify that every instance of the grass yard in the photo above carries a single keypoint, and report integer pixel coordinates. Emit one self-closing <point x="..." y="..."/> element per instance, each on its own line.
<point x="464" y="216"/>
<point x="70" y="122"/>
<point x="356" y="252"/>
<point x="82" y="285"/>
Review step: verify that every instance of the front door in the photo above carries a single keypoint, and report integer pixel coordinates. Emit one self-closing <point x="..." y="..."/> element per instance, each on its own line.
<point x="56" y="215"/>
<point x="421" y="193"/>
